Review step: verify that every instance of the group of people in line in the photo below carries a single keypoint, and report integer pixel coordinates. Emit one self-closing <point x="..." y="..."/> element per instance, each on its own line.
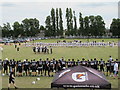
<point x="49" y="66"/>
<point x="74" y="44"/>
<point x="42" y="49"/>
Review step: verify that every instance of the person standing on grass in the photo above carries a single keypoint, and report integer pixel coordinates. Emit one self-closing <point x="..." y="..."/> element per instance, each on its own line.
<point x="26" y="66"/>
<point x="1" y="66"/>
<point x="40" y="67"/>
<point x="5" y="65"/>
<point x="95" y="64"/>
<point x="51" y="68"/>
<point x="10" y="66"/>
<point x="112" y="67"/>
<point x="110" y="58"/>
<point x="34" y="50"/>
<point x="69" y="63"/>
<point x="34" y="67"/>
<point x="83" y="62"/>
<point x="12" y="80"/>
<point x="18" y="48"/>
<point x="117" y="61"/>
<point x="63" y="64"/>
<point x="108" y="67"/>
<point x="73" y="63"/>
<point x="91" y="63"/>
<point x="51" y="51"/>
<point x="13" y="64"/>
<point x="101" y="63"/>
<point x="19" y="67"/>
<point x="15" y="45"/>
<point x="115" y="69"/>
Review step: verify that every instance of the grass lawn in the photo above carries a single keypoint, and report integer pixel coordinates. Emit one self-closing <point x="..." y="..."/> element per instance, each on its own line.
<point x="76" y="53"/>
<point x="45" y="82"/>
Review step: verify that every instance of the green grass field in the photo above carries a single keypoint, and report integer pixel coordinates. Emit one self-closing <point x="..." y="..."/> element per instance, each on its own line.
<point x="76" y="53"/>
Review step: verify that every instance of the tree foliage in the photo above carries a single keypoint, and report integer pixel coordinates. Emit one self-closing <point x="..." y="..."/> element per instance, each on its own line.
<point x="115" y="27"/>
<point x="87" y="25"/>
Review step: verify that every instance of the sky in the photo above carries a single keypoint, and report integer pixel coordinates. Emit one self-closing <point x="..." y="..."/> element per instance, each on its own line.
<point x="19" y="10"/>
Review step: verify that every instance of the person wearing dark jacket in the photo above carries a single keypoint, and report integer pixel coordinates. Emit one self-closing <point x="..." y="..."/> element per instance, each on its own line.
<point x="12" y="80"/>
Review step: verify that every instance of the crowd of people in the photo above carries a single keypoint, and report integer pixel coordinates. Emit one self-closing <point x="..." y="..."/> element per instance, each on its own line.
<point x="74" y="44"/>
<point x="42" y="49"/>
<point x="49" y="66"/>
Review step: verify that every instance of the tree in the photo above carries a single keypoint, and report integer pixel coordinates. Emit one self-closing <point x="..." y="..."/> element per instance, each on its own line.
<point x="30" y="26"/>
<point x="71" y="22"/>
<point x="68" y="22"/>
<point x="99" y="26"/>
<point x="69" y="19"/>
<point x="115" y="27"/>
<point x="86" y="26"/>
<point x="6" y="30"/>
<point x="48" y="30"/>
<point x="18" y="30"/>
<point x="75" y="24"/>
<point x="53" y="22"/>
<point x="92" y="24"/>
<point x="57" y="22"/>
<point x="60" y="23"/>
<point x="42" y="27"/>
<point x="81" y="22"/>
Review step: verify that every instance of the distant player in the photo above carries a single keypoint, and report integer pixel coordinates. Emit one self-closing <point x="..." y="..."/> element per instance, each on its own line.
<point x="88" y="63"/>
<point x="92" y="63"/>
<point x="101" y="64"/>
<point x="40" y="67"/>
<point x="59" y="67"/>
<point x="13" y="64"/>
<point x="55" y="64"/>
<point x="46" y="66"/>
<point x="73" y="63"/>
<point x="112" y="68"/>
<point x="95" y="64"/>
<point x="69" y="63"/>
<point x="34" y="67"/>
<point x="78" y="62"/>
<point x="19" y="68"/>
<point x="1" y="66"/>
<point x="5" y="65"/>
<point x="34" y="50"/>
<point x="12" y="80"/>
<point x="26" y="67"/>
<point x="38" y="49"/>
<point x="18" y="48"/>
<point x="51" y="51"/>
<point x="51" y="68"/>
<point x="83" y="62"/>
<point x="63" y="64"/>
<point x="115" y="69"/>
<point x="110" y="58"/>
<point x="15" y="45"/>
<point x="10" y="66"/>
<point x="108" y="67"/>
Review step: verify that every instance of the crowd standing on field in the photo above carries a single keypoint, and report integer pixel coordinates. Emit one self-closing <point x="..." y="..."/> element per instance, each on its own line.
<point x="75" y="43"/>
<point x="42" y="49"/>
<point x="49" y="66"/>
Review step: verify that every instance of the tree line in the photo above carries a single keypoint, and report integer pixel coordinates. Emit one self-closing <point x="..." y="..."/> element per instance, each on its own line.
<point x="88" y="25"/>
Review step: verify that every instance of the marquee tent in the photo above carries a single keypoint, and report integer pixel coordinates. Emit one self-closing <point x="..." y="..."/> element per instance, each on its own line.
<point x="80" y="77"/>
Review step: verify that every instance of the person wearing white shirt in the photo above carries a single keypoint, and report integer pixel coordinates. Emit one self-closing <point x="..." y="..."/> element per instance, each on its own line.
<point x="115" y="69"/>
<point x="110" y="59"/>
